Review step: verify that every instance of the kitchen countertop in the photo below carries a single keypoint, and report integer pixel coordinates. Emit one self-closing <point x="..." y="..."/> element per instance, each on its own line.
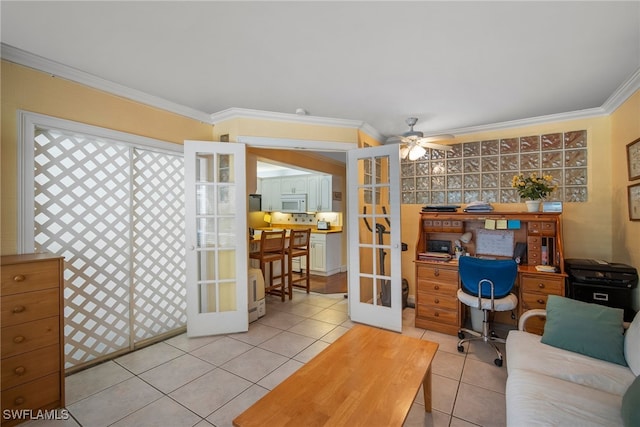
<point x="313" y="229"/>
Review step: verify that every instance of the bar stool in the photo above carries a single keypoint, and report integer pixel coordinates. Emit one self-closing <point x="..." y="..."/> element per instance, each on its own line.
<point x="272" y="249"/>
<point x="298" y="247"/>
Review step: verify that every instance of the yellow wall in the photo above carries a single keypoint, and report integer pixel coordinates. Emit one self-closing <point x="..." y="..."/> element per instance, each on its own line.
<point x="29" y="90"/>
<point x="625" y="128"/>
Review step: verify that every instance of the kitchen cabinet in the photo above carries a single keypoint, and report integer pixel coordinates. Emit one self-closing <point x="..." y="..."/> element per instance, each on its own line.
<point x="294" y="184"/>
<point x="32" y="333"/>
<point x="325" y="254"/>
<point x="271" y="191"/>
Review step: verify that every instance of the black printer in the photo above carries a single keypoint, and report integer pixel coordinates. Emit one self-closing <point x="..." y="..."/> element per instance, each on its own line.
<point x="601" y="282"/>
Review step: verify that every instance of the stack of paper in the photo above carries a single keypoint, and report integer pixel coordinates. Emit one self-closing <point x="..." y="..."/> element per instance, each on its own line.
<point x="479" y="206"/>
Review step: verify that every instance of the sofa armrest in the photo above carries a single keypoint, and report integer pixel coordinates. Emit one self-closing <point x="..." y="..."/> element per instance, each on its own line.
<point x="536" y="312"/>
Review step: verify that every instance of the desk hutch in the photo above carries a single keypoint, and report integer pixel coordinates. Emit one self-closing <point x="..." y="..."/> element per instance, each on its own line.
<point x="437" y="306"/>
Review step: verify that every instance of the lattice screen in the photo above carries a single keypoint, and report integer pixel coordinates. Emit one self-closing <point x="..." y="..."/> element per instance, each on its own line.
<point x="95" y="204"/>
<point x="159" y="243"/>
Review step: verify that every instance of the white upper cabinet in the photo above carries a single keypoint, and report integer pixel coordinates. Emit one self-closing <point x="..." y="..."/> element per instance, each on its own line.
<point x="318" y="188"/>
<point x="294" y="184"/>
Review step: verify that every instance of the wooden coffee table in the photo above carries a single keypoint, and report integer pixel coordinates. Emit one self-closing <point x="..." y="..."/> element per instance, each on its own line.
<point x="368" y="377"/>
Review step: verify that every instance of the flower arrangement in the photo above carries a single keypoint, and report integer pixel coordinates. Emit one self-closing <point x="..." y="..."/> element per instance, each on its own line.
<point x="533" y="187"/>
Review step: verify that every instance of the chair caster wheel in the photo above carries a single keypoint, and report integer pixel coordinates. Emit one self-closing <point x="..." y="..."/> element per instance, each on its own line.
<point x="461" y="349"/>
<point x="461" y="335"/>
<point x="493" y="334"/>
<point x="498" y="362"/>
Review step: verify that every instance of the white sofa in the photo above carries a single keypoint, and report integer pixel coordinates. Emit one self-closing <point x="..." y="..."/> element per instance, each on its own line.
<point x="555" y="387"/>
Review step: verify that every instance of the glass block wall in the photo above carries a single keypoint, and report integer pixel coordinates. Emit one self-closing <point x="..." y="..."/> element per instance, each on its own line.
<point x="483" y="170"/>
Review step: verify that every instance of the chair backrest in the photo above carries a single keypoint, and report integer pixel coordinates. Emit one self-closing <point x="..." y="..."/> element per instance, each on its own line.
<point x="501" y="272"/>
<point x="272" y="241"/>
<point x="299" y="239"/>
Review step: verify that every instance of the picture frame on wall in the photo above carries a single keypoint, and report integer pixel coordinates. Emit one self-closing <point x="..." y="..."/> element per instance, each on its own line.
<point x="633" y="159"/>
<point x="634" y="202"/>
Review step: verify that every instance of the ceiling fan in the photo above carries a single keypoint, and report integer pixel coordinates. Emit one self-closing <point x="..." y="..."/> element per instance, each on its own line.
<point x="414" y="142"/>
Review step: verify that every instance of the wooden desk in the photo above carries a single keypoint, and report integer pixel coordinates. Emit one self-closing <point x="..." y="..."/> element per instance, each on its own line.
<point x="367" y="377"/>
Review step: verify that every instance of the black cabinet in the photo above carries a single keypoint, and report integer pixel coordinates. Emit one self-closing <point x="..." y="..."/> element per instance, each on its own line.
<point x="603" y="283"/>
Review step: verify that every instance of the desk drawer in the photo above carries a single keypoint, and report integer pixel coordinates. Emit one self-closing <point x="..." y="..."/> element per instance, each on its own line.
<point x="29" y="336"/>
<point x="531" y="301"/>
<point x="33" y="395"/>
<point x="436" y="287"/>
<point x="542" y="284"/>
<point x="16" y="278"/>
<point x="436" y="314"/>
<point x="434" y="300"/>
<point x="30" y="366"/>
<point x="438" y="274"/>
<point x="29" y="306"/>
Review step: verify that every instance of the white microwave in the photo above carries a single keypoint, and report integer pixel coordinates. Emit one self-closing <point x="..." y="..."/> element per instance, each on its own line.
<point x="293" y="203"/>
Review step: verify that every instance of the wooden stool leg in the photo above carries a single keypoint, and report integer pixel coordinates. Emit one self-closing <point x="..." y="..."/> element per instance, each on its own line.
<point x="282" y="280"/>
<point x="308" y="278"/>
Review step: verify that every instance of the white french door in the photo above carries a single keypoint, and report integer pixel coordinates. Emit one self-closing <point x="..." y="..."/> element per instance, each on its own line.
<point x="216" y="238"/>
<point x="374" y="236"/>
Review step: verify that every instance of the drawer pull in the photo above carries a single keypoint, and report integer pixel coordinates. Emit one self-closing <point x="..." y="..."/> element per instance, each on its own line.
<point x="436" y="287"/>
<point x="18" y="309"/>
<point x="436" y="314"/>
<point x="540" y="301"/>
<point x="436" y="272"/>
<point x="18" y="339"/>
<point x="437" y="301"/>
<point x="541" y="285"/>
<point x="18" y="278"/>
<point x="20" y="370"/>
<point x="18" y="400"/>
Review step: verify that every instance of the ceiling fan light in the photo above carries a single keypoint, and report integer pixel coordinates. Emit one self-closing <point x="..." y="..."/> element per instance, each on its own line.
<point x="416" y="152"/>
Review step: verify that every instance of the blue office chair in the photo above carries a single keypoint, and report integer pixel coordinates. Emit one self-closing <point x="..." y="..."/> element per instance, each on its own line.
<point x="486" y="285"/>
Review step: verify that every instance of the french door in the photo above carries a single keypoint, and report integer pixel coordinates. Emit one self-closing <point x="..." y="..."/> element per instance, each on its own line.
<point x="216" y="238"/>
<point x="374" y="236"/>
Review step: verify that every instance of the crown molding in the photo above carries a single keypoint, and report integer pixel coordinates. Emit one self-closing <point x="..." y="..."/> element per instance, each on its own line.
<point x="626" y="89"/>
<point x="21" y="57"/>
<point x="246" y="113"/>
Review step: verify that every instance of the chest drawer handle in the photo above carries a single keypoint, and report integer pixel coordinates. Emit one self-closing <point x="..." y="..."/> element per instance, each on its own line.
<point x="20" y="370"/>
<point x="18" y="339"/>
<point x="436" y="287"/>
<point x="437" y="301"/>
<point x="18" y="309"/>
<point x="436" y="272"/>
<point x="436" y="314"/>
<point x="541" y="285"/>
<point x="18" y="278"/>
<point x="540" y="301"/>
<point x="18" y="400"/>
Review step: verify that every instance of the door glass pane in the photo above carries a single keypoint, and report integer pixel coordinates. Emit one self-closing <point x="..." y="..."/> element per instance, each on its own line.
<point x="206" y="266"/>
<point x="227" y="232"/>
<point x="207" y="297"/>
<point x="204" y="167"/>
<point x="205" y="196"/>
<point x="226" y="200"/>
<point x="206" y="232"/>
<point x="225" y="170"/>
<point x="366" y="290"/>
<point x="227" y="264"/>
<point x="228" y="296"/>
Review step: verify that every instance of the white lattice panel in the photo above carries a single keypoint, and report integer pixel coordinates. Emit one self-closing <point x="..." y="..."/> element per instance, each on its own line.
<point x="116" y="214"/>
<point x="159" y="244"/>
<point x="82" y="210"/>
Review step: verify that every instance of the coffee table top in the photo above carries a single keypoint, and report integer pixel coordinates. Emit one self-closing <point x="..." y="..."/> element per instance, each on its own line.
<point x="367" y="377"/>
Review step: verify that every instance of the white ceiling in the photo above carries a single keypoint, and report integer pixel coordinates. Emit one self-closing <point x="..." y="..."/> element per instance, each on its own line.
<point x="451" y="64"/>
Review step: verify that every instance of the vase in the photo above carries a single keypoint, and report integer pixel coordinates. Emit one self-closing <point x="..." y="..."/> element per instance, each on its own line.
<point x="533" y="205"/>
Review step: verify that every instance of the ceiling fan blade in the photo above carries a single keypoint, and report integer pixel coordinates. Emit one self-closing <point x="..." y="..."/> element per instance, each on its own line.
<point x="427" y="144"/>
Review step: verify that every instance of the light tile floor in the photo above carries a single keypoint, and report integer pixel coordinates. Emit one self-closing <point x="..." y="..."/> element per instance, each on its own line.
<point x="209" y="381"/>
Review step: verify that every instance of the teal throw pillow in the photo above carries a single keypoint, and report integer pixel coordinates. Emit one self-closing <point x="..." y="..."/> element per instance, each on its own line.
<point x="590" y="329"/>
<point x="631" y="405"/>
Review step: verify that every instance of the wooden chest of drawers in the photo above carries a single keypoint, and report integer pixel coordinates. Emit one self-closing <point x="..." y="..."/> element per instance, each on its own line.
<point x="437" y="306"/>
<point x="535" y="288"/>
<point x="31" y="302"/>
